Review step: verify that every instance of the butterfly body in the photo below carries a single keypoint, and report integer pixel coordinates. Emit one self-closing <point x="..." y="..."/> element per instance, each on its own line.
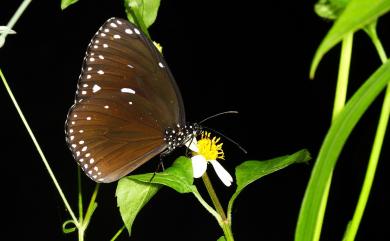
<point x="127" y="108"/>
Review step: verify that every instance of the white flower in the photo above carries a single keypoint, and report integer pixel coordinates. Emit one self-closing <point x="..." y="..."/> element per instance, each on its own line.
<point x="207" y="150"/>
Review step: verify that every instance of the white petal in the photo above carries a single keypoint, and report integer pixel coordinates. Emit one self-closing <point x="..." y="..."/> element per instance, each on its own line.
<point x="192" y="144"/>
<point x="222" y="173"/>
<point x="199" y="165"/>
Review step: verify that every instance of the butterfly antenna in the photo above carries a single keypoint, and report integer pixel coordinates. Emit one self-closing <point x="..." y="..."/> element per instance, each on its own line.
<point x="227" y="138"/>
<point x="218" y="114"/>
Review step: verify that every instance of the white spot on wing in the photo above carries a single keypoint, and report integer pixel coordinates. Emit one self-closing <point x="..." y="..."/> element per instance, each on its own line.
<point x="85" y="85"/>
<point x="106" y="107"/>
<point x="119" y="22"/>
<point x="89" y="76"/>
<point x="113" y="25"/>
<point x="130" y="66"/>
<point x="91" y="160"/>
<point x="100" y="72"/>
<point x="129" y="31"/>
<point x="137" y="31"/>
<point x="161" y="65"/>
<point x="89" y="118"/>
<point x="117" y="36"/>
<point x="101" y="57"/>
<point x="84" y="148"/>
<point x="127" y="90"/>
<point x="91" y="59"/>
<point x="105" y="45"/>
<point x="81" y="142"/>
<point x="96" y="88"/>
<point x="83" y="92"/>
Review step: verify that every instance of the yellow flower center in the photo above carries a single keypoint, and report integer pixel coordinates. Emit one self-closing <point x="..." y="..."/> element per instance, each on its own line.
<point x="210" y="148"/>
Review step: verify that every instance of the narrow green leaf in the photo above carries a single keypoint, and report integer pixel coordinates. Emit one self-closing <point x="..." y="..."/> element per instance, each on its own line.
<point x="250" y="171"/>
<point x="222" y="238"/>
<point x="307" y="228"/>
<point x="356" y="15"/>
<point x="67" y="3"/>
<point x="132" y="195"/>
<point x="145" y="10"/>
<point x="179" y="176"/>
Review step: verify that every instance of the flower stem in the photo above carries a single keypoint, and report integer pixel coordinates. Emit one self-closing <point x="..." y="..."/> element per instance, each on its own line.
<point x="37" y="146"/>
<point x="217" y="204"/>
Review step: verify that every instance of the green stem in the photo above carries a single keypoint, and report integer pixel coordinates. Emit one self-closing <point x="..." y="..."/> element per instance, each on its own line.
<point x="13" y="20"/>
<point x="207" y="206"/>
<point x="118" y="233"/>
<point x="339" y="102"/>
<point x="376" y="148"/>
<point x="45" y="162"/>
<point x="213" y="196"/>
<point x="80" y="230"/>
<point x="342" y="79"/>
<point x="91" y="207"/>
<point x="217" y="204"/>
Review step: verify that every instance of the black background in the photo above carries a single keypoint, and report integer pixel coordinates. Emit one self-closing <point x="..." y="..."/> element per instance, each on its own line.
<point x="224" y="56"/>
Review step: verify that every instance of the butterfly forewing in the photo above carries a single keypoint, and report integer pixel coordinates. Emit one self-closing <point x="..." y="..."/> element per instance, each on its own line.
<point x="126" y="98"/>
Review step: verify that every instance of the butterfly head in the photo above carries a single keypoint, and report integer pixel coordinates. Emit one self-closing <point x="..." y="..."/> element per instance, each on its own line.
<point x="180" y="134"/>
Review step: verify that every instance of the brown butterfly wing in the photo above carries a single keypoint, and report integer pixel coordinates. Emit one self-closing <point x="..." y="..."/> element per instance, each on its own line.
<point x="125" y="100"/>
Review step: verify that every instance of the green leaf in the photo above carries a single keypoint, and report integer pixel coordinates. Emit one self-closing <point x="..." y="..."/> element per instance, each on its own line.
<point x="132" y="195"/>
<point x="330" y="9"/>
<point x="250" y="171"/>
<point x="143" y="13"/>
<point x="67" y="3"/>
<point x="179" y="176"/>
<point x="307" y="228"/>
<point x="134" y="191"/>
<point x="222" y="238"/>
<point x="356" y="15"/>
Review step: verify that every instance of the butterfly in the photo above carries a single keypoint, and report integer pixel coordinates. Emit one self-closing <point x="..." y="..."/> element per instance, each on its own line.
<point x="127" y="108"/>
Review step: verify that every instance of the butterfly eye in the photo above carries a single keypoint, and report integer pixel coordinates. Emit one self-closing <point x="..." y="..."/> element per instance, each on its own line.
<point x="128" y="107"/>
